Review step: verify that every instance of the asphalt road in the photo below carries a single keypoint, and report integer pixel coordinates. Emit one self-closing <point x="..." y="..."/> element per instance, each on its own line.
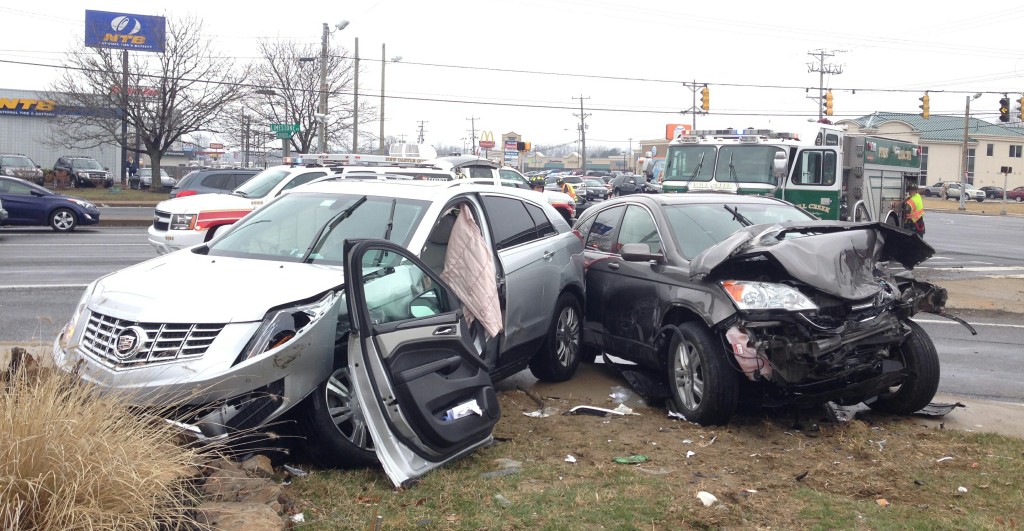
<point x="43" y="274"/>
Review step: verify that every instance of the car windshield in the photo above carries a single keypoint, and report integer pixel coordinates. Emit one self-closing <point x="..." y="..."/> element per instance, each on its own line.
<point x="17" y="161"/>
<point x="690" y="163"/>
<point x="285" y="229"/>
<point x="696" y="227"/>
<point x="148" y="172"/>
<point x="262" y="183"/>
<point x="747" y="164"/>
<point x="85" y="164"/>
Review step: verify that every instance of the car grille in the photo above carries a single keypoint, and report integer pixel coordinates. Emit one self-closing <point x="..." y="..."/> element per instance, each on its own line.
<point x="161" y="220"/>
<point x="159" y="342"/>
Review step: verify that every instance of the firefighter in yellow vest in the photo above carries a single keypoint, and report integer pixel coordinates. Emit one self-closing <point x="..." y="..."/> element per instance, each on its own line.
<point x="913" y="209"/>
<point x="567" y="189"/>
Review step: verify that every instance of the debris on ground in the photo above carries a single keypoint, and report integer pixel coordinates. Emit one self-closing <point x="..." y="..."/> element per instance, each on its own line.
<point x="619" y="394"/>
<point x="621" y="409"/>
<point x="706" y="498"/>
<point x="936" y="409"/>
<point x="570" y="459"/>
<point x="541" y="413"/>
<point x="631" y="460"/>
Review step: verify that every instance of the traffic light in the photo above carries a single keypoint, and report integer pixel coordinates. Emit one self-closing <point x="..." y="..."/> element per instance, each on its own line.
<point x="523" y="146"/>
<point x="705" y="98"/>
<point x="1004" y="109"/>
<point x="828" y="103"/>
<point x="1020" y="108"/>
<point x="925" y="112"/>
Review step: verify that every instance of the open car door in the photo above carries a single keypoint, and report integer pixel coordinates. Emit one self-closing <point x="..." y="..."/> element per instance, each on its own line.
<point x="425" y="392"/>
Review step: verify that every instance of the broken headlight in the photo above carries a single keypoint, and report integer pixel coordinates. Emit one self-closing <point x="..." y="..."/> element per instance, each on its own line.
<point x="283" y="325"/>
<point x="748" y="295"/>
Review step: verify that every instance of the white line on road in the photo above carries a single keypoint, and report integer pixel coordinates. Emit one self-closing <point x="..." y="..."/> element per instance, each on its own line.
<point x="975" y="269"/>
<point x="945" y="321"/>
<point x="42" y="286"/>
<point x="76" y="245"/>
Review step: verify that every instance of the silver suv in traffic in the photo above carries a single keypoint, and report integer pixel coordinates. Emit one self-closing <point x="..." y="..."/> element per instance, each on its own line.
<point x="459" y="284"/>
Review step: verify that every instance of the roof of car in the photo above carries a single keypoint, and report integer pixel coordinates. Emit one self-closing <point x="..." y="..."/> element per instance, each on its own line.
<point x="691" y="198"/>
<point x="412" y="189"/>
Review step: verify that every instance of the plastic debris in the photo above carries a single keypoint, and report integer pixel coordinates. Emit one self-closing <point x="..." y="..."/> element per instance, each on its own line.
<point x="882" y="502"/>
<point x="620" y="394"/>
<point x="464" y="409"/>
<point x="676" y="415"/>
<point x="936" y="409"/>
<point x="690" y="454"/>
<point x="941" y="459"/>
<point x="570" y="459"/>
<point x="961" y="490"/>
<point x="600" y="411"/>
<point x="502" y="500"/>
<point x="298" y="518"/>
<point x="750" y="491"/>
<point x="687" y="441"/>
<point x="654" y="471"/>
<point x="295" y="471"/>
<point x="706" y="498"/>
<point x="541" y="413"/>
<point x="631" y="460"/>
<point x="623" y="409"/>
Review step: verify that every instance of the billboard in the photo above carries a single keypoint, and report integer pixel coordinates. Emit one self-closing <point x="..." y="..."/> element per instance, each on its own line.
<point x="125" y="31"/>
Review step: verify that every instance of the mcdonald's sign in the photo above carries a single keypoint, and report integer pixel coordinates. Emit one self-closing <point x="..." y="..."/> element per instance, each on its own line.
<point x="487" y="140"/>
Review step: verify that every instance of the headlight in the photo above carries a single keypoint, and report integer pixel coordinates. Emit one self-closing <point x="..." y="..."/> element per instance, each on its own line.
<point x="69" y="329"/>
<point x="766" y="296"/>
<point x="9" y="171"/>
<point x="182" y="221"/>
<point x="281" y="326"/>
<point x="83" y="204"/>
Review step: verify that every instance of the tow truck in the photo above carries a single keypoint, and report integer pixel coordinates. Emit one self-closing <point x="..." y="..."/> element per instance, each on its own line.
<point x="829" y="172"/>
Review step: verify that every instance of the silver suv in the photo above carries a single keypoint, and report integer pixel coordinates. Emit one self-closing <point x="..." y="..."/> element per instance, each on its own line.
<point x="262" y="325"/>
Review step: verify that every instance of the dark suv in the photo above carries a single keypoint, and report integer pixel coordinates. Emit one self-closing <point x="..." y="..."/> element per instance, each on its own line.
<point x="83" y="172"/>
<point x="20" y="166"/>
<point x="211" y="182"/>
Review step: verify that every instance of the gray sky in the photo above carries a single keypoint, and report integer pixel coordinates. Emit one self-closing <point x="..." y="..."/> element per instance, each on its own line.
<point x="627" y="57"/>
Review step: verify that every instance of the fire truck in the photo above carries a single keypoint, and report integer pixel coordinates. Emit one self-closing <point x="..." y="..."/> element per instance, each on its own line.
<point x="831" y="173"/>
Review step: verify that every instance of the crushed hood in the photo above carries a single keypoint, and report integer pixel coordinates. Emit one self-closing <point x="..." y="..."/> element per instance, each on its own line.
<point x="183" y="287"/>
<point x="835" y="257"/>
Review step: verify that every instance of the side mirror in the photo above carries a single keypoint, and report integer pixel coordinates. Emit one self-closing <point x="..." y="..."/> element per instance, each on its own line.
<point x="639" y="252"/>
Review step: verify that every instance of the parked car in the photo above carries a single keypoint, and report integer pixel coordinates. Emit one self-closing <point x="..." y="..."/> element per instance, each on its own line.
<point x="596" y="189"/>
<point x="631" y="184"/>
<point x="210" y="182"/>
<point x="83" y="172"/>
<point x="953" y="192"/>
<point x="992" y="192"/>
<point x="716" y="293"/>
<point x="934" y="190"/>
<point x="20" y="166"/>
<point x="576" y="181"/>
<point x="3" y="214"/>
<point x="1017" y="194"/>
<point x="261" y="327"/>
<point x="145" y="178"/>
<point x="30" y="204"/>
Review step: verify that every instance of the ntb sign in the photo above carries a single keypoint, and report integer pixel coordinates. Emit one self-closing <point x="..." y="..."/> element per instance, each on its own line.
<point x="124" y="31"/>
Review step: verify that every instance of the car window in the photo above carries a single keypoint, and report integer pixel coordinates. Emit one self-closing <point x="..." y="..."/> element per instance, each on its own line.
<point x="479" y="172"/>
<point x="814" y="167"/>
<point x="513" y="176"/>
<point x="217" y="180"/>
<point x="396" y="289"/>
<point x="540" y="221"/>
<point x="85" y="164"/>
<point x="602" y="232"/>
<point x="14" y="188"/>
<point x="638" y="227"/>
<point x="697" y="227"/>
<point x="510" y="221"/>
<point x="17" y="161"/>
<point x="303" y="179"/>
<point x="238" y="179"/>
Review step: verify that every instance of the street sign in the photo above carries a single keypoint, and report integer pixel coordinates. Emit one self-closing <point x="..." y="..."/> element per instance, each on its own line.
<point x="284" y="128"/>
<point x="284" y="135"/>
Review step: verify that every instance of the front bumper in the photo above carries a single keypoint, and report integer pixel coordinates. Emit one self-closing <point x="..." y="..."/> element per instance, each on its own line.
<point x="168" y="241"/>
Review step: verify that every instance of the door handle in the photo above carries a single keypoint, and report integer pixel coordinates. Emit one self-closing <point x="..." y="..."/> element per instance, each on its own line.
<point x="613" y="265"/>
<point x="444" y="331"/>
<point x="548" y="255"/>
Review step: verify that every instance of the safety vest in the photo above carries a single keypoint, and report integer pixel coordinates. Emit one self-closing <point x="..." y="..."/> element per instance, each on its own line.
<point x="568" y="189"/>
<point x="916" y="207"/>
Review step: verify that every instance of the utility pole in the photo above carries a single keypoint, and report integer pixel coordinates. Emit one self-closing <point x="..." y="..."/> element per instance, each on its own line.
<point x="631" y="158"/>
<point x="419" y="139"/>
<point x="583" y="133"/>
<point x="322" y="138"/>
<point x="383" y="65"/>
<point x="472" y="132"/>
<point x="355" y="104"/>
<point x="821" y="68"/>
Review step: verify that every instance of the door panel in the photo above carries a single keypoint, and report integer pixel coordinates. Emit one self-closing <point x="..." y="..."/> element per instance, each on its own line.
<point x="426" y="394"/>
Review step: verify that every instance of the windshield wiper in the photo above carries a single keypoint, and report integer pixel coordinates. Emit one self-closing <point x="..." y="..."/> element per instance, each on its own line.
<point x="700" y="164"/>
<point x="238" y="192"/>
<point x="387" y="233"/>
<point x="732" y="169"/>
<point x="318" y="240"/>
<point x="738" y="217"/>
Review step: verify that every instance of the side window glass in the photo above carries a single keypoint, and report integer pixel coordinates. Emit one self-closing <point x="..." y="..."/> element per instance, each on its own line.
<point x="510" y="221"/>
<point x="216" y="180"/>
<point x="815" y="168"/>
<point x="638" y="227"/>
<point x="14" y="188"/>
<point x="303" y="179"/>
<point x="602" y="231"/>
<point x="540" y="221"/>
<point x="397" y="289"/>
<point x="483" y="173"/>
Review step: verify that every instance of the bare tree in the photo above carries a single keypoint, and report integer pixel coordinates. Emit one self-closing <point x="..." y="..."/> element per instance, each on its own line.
<point x="183" y="90"/>
<point x="285" y="88"/>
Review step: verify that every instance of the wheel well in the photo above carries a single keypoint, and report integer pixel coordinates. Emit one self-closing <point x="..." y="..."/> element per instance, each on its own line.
<point x="676" y="315"/>
<point x="576" y="292"/>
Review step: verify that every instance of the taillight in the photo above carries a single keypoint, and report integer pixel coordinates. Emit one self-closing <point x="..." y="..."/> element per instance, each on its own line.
<point x="185" y="193"/>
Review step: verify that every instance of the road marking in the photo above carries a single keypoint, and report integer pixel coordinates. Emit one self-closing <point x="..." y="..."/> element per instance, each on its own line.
<point x="945" y="321"/>
<point x="77" y="245"/>
<point x="976" y="269"/>
<point x="42" y="286"/>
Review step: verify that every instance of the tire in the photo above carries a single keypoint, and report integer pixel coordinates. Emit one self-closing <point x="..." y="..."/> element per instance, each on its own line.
<point x="559" y="357"/>
<point x="63" y="220"/>
<point x="918" y="390"/>
<point x="1019" y="198"/>
<point x="588" y="353"/>
<point x="704" y="387"/>
<point x="335" y="442"/>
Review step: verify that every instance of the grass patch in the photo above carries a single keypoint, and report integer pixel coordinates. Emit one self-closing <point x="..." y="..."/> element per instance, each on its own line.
<point x="751" y="466"/>
<point x="72" y="460"/>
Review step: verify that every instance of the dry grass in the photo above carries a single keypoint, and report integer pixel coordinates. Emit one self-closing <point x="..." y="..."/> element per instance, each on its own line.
<point x="74" y="460"/>
<point x="989" y="207"/>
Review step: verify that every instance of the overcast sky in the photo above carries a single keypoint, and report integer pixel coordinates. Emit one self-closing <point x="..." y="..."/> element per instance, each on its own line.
<point x="627" y="58"/>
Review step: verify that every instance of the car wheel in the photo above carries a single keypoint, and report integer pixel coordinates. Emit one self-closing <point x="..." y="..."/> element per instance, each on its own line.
<point x="333" y="424"/>
<point x="917" y="391"/>
<point x="704" y="387"/>
<point x="63" y="220"/>
<point x="560" y="355"/>
<point x="1019" y="198"/>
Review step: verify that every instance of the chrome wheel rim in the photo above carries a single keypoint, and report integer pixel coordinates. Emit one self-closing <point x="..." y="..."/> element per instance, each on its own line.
<point x="343" y="407"/>
<point x="688" y="374"/>
<point x="567" y="336"/>
<point x="63" y="220"/>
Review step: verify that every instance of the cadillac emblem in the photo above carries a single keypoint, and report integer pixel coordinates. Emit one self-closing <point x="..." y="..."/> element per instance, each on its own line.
<point x="129" y="342"/>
